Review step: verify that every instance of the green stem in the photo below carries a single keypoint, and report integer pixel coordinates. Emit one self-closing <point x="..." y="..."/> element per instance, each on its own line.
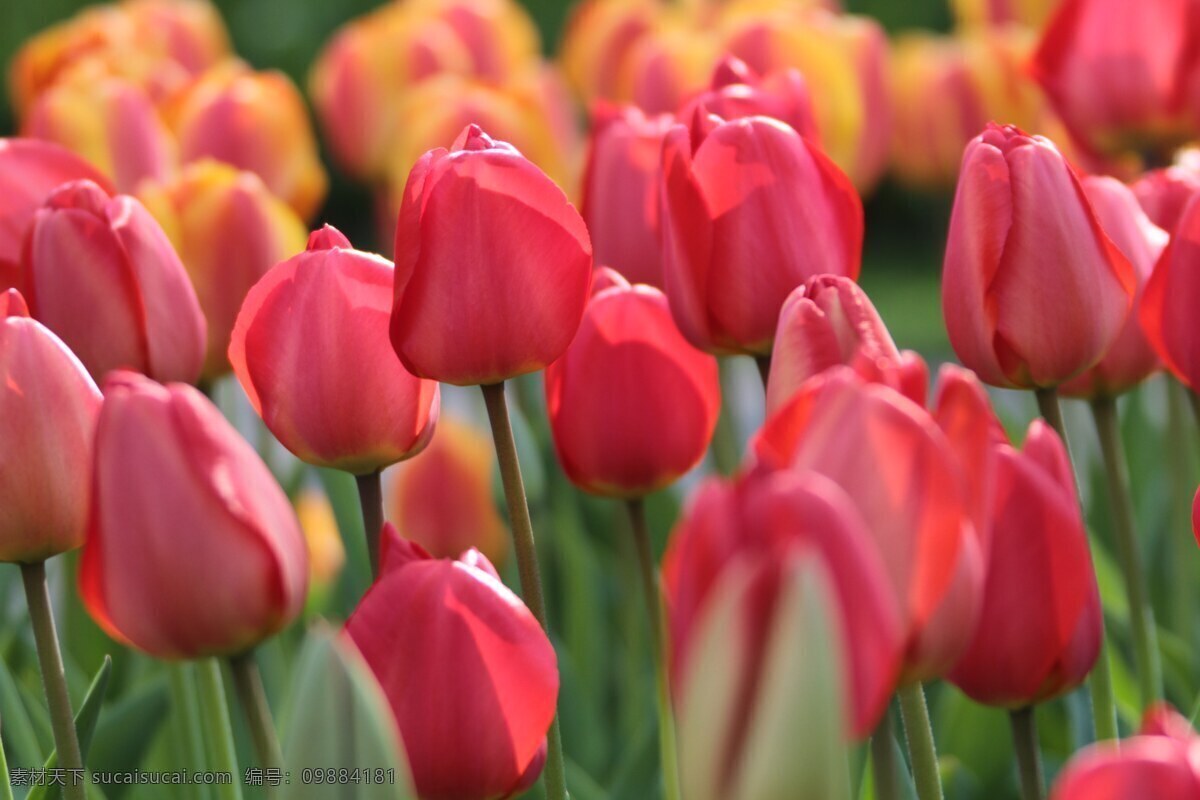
<point x="654" y="615"/>
<point x="370" y="498"/>
<point x="725" y="450"/>
<point x="921" y="748"/>
<point x="1029" y="758"/>
<point x="54" y="678"/>
<point x="884" y="774"/>
<point x="1104" y="707"/>
<point x="218" y="730"/>
<point x="186" y="709"/>
<point x="1141" y="613"/>
<point x="252" y="696"/>
<point x="5" y="782"/>
<point x="527" y="565"/>
<point x="1179" y="463"/>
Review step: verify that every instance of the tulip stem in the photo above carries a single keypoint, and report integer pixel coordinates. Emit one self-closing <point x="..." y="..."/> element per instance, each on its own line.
<point x="922" y="751"/>
<point x="527" y="565"/>
<point x="1029" y="758"/>
<point x="655" y="617"/>
<point x="1179" y="467"/>
<point x="764" y="368"/>
<point x="1141" y="613"/>
<point x="218" y="730"/>
<point x="252" y="696"/>
<point x="884" y="774"/>
<point x="54" y="679"/>
<point x="1104" y="707"/>
<point x="185" y="709"/>
<point x="724" y="442"/>
<point x="370" y="498"/>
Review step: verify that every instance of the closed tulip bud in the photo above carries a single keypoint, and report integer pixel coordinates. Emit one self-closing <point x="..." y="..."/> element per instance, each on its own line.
<point x="100" y="272"/>
<point x="737" y="91"/>
<point x="753" y="526"/>
<point x="482" y="302"/>
<point x="596" y="42"/>
<point x="1034" y="291"/>
<point x="1040" y="628"/>
<point x="255" y="121"/>
<point x="999" y="13"/>
<point x="843" y="59"/>
<point x="620" y="190"/>
<point x="173" y="479"/>
<point x="30" y="170"/>
<point x="1130" y="359"/>
<point x="470" y="675"/>
<point x="827" y="321"/>
<point x="499" y="36"/>
<point x="1144" y="55"/>
<point x="443" y="499"/>
<point x="108" y="121"/>
<point x="1163" y="193"/>
<point x="1162" y="761"/>
<point x="750" y="209"/>
<point x="906" y="480"/>
<point x="341" y="400"/>
<point x="229" y="230"/>
<point x="1167" y="310"/>
<point x="48" y="415"/>
<point x="946" y="89"/>
<point x="632" y="404"/>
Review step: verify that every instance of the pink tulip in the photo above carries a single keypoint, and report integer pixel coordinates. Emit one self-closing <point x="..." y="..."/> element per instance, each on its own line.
<point x="1163" y="193"/>
<point x="737" y="91"/>
<point x="1034" y="291"/>
<point x="192" y="549"/>
<point x="100" y="272"/>
<point x="48" y="415"/>
<point x="311" y="349"/>
<point x="1168" y="310"/>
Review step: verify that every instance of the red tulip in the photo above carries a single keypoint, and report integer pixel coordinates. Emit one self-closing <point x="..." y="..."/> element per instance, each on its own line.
<point x="100" y="272"/>
<point x="29" y="170"/>
<point x="1130" y="359"/>
<point x="754" y="525"/>
<point x="906" y="480"/>
<point x="749" y="211"/>
<point x="493" y="265"/>
<point x="1123" y="75"/>
<point x="469" y="672"/>
<point x="1034" y="291"/>
<point x="192" y="549"/>
<point x="1040" y="629"/>
<point x="1163" y="193"/>
<point x="620" y="191"/>
<point x="1162" y="761"/>
<point x="1168" y="306"/>
<point x="827" y="321"/>
<point x="631" y="403"/>
<point x="443" y="500"/>
<point x="311" y="349"/>
<point x="737" y="92"/>
<point x="48" y="415"/>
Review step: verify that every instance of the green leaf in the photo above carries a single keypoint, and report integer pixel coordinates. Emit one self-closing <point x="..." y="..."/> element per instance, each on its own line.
<point x="338" y="717"/>
<point x="20" y="736"/>
<point x="144" y="711"/>
<point x="85" y="726"/>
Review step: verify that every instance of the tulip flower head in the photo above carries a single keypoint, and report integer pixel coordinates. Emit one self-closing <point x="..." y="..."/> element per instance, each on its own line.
<point x="620" y="190"/>
<point x="30" y="170"/>
<point x="1164" y="193"/>
<point x="1040" y="629"/>
<point x="311" y="349"/>
<point x="193" y="549"/>
<point x="750" y="209"/>
<point x="1167" y="310"/>
<point x="906" y="480"/>
<point x="48" y="410"/>
<point x="631" y="403"/>
<point x="1034" y="291"/>
<point x="493" y="265"/>
<point x="737" y="91"/>
<point x="470" y="674"/>
<point x="102" y="274"/>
